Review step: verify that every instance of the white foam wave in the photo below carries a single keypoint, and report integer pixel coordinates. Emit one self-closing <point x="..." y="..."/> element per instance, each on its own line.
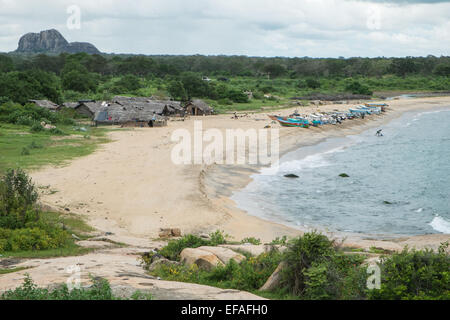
<point x="441" y="225"/>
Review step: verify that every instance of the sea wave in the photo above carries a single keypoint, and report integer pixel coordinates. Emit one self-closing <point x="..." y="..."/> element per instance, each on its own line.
<point x="441" y="225"/>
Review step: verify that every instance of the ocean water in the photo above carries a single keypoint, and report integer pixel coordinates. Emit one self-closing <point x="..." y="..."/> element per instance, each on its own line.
<point x="398" y="184"/>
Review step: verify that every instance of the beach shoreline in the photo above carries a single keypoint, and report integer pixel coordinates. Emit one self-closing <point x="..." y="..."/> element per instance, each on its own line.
<point x="130" y="187"/>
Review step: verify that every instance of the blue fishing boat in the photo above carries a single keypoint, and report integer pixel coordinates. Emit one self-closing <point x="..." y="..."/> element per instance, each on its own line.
<point x="377" y="105"/>
<point x="291" y="122"/>
<point x="358" y="111"/>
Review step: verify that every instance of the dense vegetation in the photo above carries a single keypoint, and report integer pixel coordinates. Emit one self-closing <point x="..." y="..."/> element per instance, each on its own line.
<point x="23" y="226"/>
<point x="99" y="290"/>
<point x="316" y="268"/>
<point x="72" y="77"/>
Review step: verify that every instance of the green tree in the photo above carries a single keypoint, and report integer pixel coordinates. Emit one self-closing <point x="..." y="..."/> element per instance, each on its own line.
<point x="356" y="87"/>
<point x="442" y="69"/>
<point x="275" y="70"/>
<point x="403" y="66"/>
<point x="194" y="85"/>
<point x="34" y="84"/>
<point x="128" y="83"/>
<point x="6" y="63"/>
<point x="177" y="91"/>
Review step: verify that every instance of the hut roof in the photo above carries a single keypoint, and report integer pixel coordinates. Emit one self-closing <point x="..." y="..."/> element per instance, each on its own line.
<point x="118" y="113"/>
<point x="45" y="104"/>
<point x="93" y="106"/>
<point x="70" y="105"/>
<point x="159" y="106"/>
<point x="202" y="105"/>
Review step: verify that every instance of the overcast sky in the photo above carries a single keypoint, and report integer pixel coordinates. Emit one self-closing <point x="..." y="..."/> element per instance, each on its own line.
<point x="315" y="28"/>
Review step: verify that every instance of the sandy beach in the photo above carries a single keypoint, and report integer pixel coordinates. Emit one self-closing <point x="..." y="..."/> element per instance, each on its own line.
<point x="131" y="188"/>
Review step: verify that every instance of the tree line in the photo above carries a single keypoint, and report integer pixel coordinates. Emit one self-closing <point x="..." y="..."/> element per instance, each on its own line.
<point x="47" y="76"/>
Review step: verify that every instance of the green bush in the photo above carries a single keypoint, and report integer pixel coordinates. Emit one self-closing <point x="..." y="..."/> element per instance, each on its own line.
<point x="249" y="275"/>
<point x="315" y="269"/>
<point x="99" y="290"/>
<point x="174" y="247"/>
<point x="414" y="274"/>
<point x="25" y="151"/>
<point x="18" y="198"/>
<point x="251" y="240"/>
<point x="33" y="238"/>
<point x="356" y="87"/>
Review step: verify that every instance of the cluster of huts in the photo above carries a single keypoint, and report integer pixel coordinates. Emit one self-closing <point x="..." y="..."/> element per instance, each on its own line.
<point x="131" y="111"/>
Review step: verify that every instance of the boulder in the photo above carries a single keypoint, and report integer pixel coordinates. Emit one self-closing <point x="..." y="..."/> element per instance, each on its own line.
<point x="203" y="259"/>
<point x="162" y="261"/>
<point x="224" y="254"/>
<point x="274" y="280"/>
<point x="169" y="232"/>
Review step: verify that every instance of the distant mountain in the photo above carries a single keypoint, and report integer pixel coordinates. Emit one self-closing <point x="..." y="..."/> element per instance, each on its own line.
<point x="51" y="41"/>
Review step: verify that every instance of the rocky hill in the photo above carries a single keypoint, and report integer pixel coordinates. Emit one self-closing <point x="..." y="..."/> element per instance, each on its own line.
<point x="51" y="41"/>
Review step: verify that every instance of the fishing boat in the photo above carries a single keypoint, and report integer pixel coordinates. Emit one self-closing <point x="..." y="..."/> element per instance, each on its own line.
<point x="291" y="122"/>
<point x="379" y="105"/>
<point x="357" y="111"/>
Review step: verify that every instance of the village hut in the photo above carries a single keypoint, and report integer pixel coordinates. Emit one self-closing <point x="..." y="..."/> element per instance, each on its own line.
<point x="70" y="105"/>
<point x="198" y="107"/>
<point x="89" y="108"/>
<point x="161" y="107"/>
<point x="137" y="114"/>
<point x="45" y="104"/>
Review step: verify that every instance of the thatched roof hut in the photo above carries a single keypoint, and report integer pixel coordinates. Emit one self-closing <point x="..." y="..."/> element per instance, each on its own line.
<point x="161" y="107"/>
<point x="137" y="113"/>
<point x="89" y="108"/>
<point x="70" y="105"/>
<point x="198" y="107"/>
<point x="45" y="104"/>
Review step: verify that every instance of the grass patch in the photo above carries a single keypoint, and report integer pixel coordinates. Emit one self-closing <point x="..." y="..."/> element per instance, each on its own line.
<point x="11" y="270"/>
<point x="69" y="250"/>
<point x="72" y="224"/>
<point x="31" y="150"/>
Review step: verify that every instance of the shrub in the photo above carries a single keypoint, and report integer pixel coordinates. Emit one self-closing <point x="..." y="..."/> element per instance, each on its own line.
<point x="249" y="275"/>
<point x="56" y="131"/>
<point x="25" y="151"/>
<point x="36" y="127"/>
<point x="174" y="247"/>
<point x="99" y="290"/>
<point x="34" y="238"/>
<point x="251" y="240"/>
<point x="218" y="237"/>
<point x="313" y="83"/>
<point x="414" y="275"/>
<point x="356" y="87"/>
<point x="18" y="198"/>
<point x="301" y="254"/>
<point x="237" y="96"/>
<point x="315" y="269"/>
